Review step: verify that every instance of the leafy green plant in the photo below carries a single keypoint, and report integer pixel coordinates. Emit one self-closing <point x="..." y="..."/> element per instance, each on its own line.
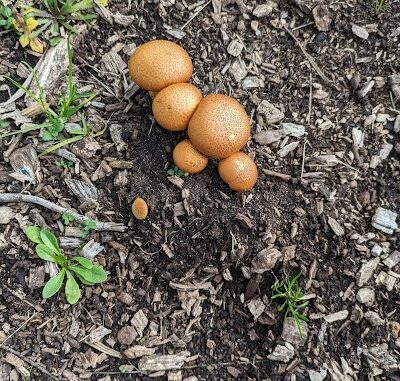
<point x="56" y="119"/>
<point x="379" y="6"/>
<point x="292" y="299"/>
<point x="66" y="164"/>
<point x="63" y="12"/>
<point x="55" y="14"/>
<point x="4" y="123"/>
<point x="28" y="28"/>
<point x="48" y="249"/>
<point x="175" y="171"/>
<point x="87" y="227"/>
<point x="68" y="218"/>
<point x="6" y="17"/>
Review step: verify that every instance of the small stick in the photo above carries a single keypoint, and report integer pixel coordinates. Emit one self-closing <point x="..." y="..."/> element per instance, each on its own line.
<point x="100" y="226"/>
<point x="281" y="176"/>
<point x="303" y="159"/>
<point x="194" y="16"/>
<point x="29" y="361"/>
<point x="21" y="298"/>
<point x="309" y="57"/>
<point x="19" y="328"/>
<point x="310" y="101"/>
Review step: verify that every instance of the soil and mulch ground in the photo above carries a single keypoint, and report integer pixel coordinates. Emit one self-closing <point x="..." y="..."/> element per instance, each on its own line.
<point x="194" y="279"/>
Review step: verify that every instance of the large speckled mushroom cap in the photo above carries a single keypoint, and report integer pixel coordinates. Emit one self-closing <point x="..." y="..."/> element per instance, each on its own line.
<point x="159" y="63"/>
<point x="219" y="127"/>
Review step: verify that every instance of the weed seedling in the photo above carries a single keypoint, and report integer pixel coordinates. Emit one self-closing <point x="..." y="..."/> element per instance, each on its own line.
<point x="87" y="227"/>
<point x="4" y="123"/>
<point x="175" y="171"/>
<point x="68" y="218"/>
<point x="289" y="292"/>
<point x="48" y="249"/>
<point x="379" y="6"/>
<point x="66" y="164"/>
<point x="68" y="105"/>
<point x="6" y="17"/>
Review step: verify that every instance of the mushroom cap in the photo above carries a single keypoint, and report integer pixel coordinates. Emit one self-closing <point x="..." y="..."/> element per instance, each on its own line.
<point x="187" y="158"/>
<point x="140" y="208"/>
<point x="219" y="127"/>
<point x="239" y="171"/>
<point x="174" y="105"/>
<point x="159" y="63"/>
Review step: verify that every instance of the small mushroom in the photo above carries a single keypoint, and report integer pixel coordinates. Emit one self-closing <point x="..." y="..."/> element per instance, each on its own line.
<point x="159" y="63"/>
<point x="219" y="127"/>
<point x="188" y="158"/>
<point x="140" y="209"/>
<point x="174" y="105"/>
<point x="239" y="171"/>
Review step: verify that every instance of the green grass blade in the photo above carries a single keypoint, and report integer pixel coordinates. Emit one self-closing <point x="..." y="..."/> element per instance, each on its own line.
<point x="24" y="89"/>
<point x="22" y="131"/>
<point x="83" y="5"/>
<point x="61" y="144"/>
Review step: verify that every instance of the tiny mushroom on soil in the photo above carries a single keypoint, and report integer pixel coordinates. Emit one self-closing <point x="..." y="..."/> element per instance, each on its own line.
<point x="140" y="208"/>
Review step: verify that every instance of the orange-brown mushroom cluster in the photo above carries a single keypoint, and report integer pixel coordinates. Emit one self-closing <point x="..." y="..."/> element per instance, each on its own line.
<point x="218" y="125"/>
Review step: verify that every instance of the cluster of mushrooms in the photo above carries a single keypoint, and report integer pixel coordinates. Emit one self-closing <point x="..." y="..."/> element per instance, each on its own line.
<point x="217" y="125"/>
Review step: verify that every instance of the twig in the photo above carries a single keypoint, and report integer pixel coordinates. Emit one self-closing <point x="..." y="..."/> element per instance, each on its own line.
<point x="310" y="101"/>
<point x="20" y="327"/>
<point x="281" y="176"/>
<point x="194" y="16"/>
<point x="303" y="159"/>
<point x="309" y="58"/>
<point x="100" y="226"/>
<point x="29" y="361"/>
<point x="254" y="364"/>
<point x="21" y="298"/>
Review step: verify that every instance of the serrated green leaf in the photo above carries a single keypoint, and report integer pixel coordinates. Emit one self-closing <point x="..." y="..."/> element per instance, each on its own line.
<point x="53" y="285"/>
<point x="50" y="240"/>
<point x="72" y="290"/>
<point x="94" y="275"/>
<point x="45" y="253"/>
<point x="33" y="234"/>
<point x="84" y="262"/>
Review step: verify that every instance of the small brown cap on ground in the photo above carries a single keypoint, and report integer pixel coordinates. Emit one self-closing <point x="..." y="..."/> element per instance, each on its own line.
<point x="140" y="209"/>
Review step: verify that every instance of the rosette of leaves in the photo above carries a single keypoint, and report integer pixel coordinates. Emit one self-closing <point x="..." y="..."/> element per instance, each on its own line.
<point x="81" y="268"/>
<point x="6" y="17"/>
<point x="62" y="13"/>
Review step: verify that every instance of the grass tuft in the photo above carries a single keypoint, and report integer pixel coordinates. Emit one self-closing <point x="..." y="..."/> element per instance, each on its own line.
<point x="289" y="292"/>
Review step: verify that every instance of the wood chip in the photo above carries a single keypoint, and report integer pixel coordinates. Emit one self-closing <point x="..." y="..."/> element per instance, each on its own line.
<point x="163" y="362"/>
